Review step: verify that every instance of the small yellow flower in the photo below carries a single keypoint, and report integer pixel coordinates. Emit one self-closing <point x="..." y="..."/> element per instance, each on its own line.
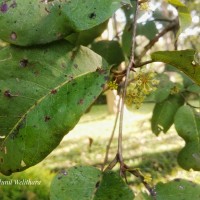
<point x="144" y="6"/>
<point x="112" y="85"/>
<point x="144" y="83"/>
<point x="148" y="178"/>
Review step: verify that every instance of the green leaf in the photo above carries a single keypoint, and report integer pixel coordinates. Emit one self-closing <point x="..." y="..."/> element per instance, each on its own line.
<point x="89" y="183"/>
<point x="86" y="37"/>
<point x="147" y="29"/>
<point x="164" y="112"/>
<point x="111" y="51"/>
<point x="176" y="3"/>
<point x="183" y="60"/>
<point x="43" y="93"/>
<point x="187" y="124"/>
<point x="193" y="88"/>
<point x="185" y="19"/>
<point x="38" y="22"/>
<point x="177" y="189"/>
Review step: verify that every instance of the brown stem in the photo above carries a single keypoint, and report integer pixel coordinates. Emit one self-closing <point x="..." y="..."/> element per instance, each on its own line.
<point x="112" y="135"/>
<point x="112" y="163"/>
<point x="130" y="66"/>
<point x="168" y="28"/>
<point x="139" y="175"/>
<point x="144" y="63"/>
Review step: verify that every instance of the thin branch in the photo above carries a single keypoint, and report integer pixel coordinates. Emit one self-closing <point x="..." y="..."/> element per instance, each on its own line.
<point x="139" y="175"/>
<point x="144" y="63"/>
<point x="112" y="163"/>
<point x="130" y="66"/>
<point x="112" y="135"/>
<point x="168" y="28"/>
<point x="162" y="20"/>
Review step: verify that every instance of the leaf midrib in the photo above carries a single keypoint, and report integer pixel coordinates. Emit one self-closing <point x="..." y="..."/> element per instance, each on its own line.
<point x="37" y="103"/>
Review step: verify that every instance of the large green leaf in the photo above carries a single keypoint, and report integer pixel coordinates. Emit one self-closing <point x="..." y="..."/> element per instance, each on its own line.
<point x="183" y="60"/>
<point x="89" y="183"/>
<point x="40" y="21"/>
<point x="111" y="51"/>
<point x="87" y="36"/>
<point x="185" y="19"/>
<point x="178" y="189"/>
<point x="43" y="93"/>
<point x="164" y="112"/>
<point x="187" y="124"/>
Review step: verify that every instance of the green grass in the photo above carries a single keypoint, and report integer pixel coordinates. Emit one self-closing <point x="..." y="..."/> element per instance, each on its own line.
<point x="141" y="149"/>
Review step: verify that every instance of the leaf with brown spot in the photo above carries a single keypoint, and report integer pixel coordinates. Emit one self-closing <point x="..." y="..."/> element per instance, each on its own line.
<point x="34" y="118"/>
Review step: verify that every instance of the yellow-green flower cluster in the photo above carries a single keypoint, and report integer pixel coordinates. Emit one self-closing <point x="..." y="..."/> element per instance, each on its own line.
<point x="112" y="85"/>
<point x="144" y="83"/>
<point x="144" y="6"/>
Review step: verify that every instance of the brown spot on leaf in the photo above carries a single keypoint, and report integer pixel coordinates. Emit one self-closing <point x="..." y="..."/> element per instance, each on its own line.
<point x="13" y="36"/>
<point x="47" y="10"/>
<point x="74" y="53"/>
<point x="97" y="184"/>
<point x="81" y="101"/>
<point x="54" y="91"/>
<point x="100" y="70"/>
<point x="47" y="118"/>
<point x="71" y="77"/>
<point x="7" y="94"/>
<point x="76" y="66"/>
<point x="23" y="62"/>
<point x="92" y="15"/>
<point x="62" y="173"/>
